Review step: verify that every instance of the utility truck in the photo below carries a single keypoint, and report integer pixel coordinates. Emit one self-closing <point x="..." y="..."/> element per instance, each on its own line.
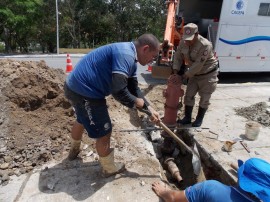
<point x="238" y="29"/>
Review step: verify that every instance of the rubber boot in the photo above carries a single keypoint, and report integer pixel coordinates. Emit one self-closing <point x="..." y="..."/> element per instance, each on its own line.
<point x="188" y="114"/>
<point x="75" y="149"/>
<point x="109" y="167"/>
<point x="199" y="118"/>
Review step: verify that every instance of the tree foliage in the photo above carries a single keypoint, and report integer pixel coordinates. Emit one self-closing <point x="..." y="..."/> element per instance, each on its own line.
<point x="82" y="23"/>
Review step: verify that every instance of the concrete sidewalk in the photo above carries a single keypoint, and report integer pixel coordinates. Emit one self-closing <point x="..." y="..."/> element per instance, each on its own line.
<point x="224" y="125"/>
<point x="82" y="181"/>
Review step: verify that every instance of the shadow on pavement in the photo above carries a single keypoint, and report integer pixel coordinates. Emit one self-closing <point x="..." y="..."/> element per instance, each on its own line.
<point x="236" y="77"/>
<point x="78" y="179"/>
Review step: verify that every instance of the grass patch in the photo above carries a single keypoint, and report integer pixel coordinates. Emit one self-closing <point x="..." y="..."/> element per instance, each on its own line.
<point x="73" y="50"/>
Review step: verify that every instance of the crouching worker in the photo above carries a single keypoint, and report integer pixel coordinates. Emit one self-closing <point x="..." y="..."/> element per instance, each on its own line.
<point x="110" y="69"/>
<point x="253" y="186"/>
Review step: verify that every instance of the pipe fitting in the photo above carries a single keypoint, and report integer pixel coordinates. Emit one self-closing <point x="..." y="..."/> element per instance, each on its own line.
<point x="169" y="162"/>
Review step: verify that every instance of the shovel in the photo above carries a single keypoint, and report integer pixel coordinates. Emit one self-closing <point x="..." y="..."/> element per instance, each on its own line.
<point x="196" y="163"/>
<point x="167" y="130"/>
<point x="174" y="136"/>
<point x="195" y="156"/>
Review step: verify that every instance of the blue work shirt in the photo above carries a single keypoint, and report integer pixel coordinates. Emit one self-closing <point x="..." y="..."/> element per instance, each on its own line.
<point x="92" y="76"/>
<point x="214" y="191"/>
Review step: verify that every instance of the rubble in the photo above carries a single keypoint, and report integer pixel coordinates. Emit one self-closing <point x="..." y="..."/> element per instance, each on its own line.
<point x="258" y="112"/>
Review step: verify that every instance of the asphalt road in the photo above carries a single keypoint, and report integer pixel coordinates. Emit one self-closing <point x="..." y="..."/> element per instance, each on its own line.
<point x="144" y="77"/>
<point x="59" y="61"/>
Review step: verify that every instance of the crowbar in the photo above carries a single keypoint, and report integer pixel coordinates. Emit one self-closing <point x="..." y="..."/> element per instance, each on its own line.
<point x="177" y="139"/>
<point x="245" y="146"/>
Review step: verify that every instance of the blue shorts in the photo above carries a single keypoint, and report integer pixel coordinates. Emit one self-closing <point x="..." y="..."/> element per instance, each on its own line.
<point x="91" y="113"/>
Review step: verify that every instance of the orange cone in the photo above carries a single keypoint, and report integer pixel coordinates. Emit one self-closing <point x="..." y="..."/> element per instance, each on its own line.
<point x="69" y="64"/>
<point x="149" y="68"/>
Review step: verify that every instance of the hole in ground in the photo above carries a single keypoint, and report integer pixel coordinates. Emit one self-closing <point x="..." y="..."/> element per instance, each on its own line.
<point x="192" y="169"/>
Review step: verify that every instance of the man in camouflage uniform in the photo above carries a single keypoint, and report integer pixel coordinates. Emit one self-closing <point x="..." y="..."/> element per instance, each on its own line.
<point x="196" y="53"/>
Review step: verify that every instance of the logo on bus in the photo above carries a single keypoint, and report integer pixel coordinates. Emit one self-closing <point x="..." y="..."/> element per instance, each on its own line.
<point x="238" y="8"/>
<point x="239" y="5"/>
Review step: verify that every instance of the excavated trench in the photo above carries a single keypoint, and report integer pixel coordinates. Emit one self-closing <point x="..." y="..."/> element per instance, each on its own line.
<point x="173" y="157"/>
<point x="210" y="168"/>
<point x="182" y="168"/>
<point x="192" y="168"/>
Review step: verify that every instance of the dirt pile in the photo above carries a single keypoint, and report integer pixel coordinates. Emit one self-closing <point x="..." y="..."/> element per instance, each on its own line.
<point x="36" y="119"/>
<point x="35" y="116"/>
<point x="259" y="112"/>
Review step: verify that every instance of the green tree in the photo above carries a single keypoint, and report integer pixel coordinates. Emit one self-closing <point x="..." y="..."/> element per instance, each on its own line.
<point x="136" y="17"/>
<point x="89" y="23"/>
<point x="46" y="28"/>
<point x="18" y="23"/>
<point x="97" y="23"/>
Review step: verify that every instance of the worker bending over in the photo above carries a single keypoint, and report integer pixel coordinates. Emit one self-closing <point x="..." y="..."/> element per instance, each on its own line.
<point x="110" y="69"/>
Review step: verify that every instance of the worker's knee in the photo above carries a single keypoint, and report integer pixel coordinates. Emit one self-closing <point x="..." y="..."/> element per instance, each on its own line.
<point x="204" y="99"/>
<point x="189" y="100"/>
<point x="103" y="145"/>
<point x="104" y="139"/>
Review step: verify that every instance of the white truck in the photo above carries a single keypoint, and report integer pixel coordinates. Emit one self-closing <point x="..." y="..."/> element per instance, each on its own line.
<point x="238" y="29"/>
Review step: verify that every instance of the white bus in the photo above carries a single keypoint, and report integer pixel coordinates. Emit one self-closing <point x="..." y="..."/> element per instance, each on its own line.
<point x="238" y="29"/>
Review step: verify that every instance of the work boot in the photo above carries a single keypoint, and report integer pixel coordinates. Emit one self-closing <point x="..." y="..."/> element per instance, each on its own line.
<point x="109" y="167"/>
<point x="188" y="114"/>
<point x="75" y="149"/>
<point x="199" y="118"/>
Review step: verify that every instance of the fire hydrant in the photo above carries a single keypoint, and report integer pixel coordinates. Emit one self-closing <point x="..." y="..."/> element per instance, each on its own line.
<point x="172" y="94"/>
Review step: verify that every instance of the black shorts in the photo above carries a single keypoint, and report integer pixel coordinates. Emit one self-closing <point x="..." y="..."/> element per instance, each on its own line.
<point x="91" y="113"/>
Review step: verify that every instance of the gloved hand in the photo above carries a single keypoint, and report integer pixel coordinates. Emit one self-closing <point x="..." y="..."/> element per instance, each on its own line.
<point x="154" y="115"/>
<point x="185" y="78"/>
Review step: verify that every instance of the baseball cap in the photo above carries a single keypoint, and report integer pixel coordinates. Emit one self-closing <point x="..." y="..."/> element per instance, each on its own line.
<point x="254" y="177"/>
<point x="189" y="31"/>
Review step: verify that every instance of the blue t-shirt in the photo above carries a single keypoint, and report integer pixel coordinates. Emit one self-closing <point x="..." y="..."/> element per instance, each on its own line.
<point x="213" y="191"/>
<point x="92" y="76"/>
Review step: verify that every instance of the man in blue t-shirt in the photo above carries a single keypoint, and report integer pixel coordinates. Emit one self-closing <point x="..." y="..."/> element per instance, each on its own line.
<point x="110" y="69"/>
<point x="253" y="186"/>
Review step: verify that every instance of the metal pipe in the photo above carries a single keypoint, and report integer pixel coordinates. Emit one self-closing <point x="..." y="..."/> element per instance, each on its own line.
<point x="173" y="169"/>
<point x="177" y="139"/>
<point x="145" y="129"/>
<point x="155" y="128"/>
<point x="57" y="27"/>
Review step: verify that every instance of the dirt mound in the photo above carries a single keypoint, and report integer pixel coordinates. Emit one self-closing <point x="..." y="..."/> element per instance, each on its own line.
<point x="36" y="119"/>
<point x="35" y="116"/>
<point x="259" y="112"/>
